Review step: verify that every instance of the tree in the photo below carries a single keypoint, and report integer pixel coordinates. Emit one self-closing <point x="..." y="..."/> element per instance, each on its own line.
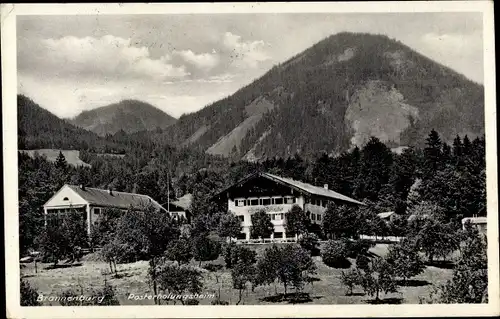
<point x="234" y="254"/>
<point x="111" y="251"/>
<point x="378" y="277"/>
<point x="342" y="221"/>
<point x="296" y="221"/>
<point x="405" y="260"/>
<point x="104" y="229"/>
<point x="147" y="232"/>
<point x="290" y="265"/>
<point x="294" y="267"/>
<point x="181" y="251"/>
<point x="403" y="175"/>
<point x="398" y="225"/>
<point x="205" y="248"/>
<point x="430" y="232"/>
<point x="179" y="280"/>
<point x="267" y="267"/>
<point x="229" y="226"/>
<point x="376" y="161"/>
<point x="432" y="154"/>
<point x="334" y="254"/>
<point x="61" y="161"/>
<point x="29" y="295"/>
<point x="469" y="283"/>
<point x="64" y="236"/>
<point x="242" y="273"/>
<point x="261" y="225"/>
<point x="350" y="279"/>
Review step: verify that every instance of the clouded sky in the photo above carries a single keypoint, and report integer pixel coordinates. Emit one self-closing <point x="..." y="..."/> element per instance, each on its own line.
<point x="182" y="62"/>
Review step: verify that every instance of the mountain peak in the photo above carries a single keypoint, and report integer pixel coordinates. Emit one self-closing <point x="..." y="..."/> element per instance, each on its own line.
<point x="127" y="115"/>
<point x="335" y="95"/>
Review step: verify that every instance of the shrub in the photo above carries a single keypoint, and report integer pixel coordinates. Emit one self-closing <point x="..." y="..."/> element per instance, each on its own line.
<point x="29" y="295"/>
<point x="334" y="254"/>
<point x="362" y="262"/>
<point x="358" y="247"/>
<point x="310" y="242"/>
<point x="106" y="296"/>
<point x="212" y="267"/>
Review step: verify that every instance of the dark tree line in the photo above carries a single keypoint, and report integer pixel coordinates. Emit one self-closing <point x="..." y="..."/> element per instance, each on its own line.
<point x="450" y="176"/>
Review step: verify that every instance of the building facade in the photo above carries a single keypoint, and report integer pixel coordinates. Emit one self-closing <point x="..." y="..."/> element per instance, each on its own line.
<point x="276" y="196"/>
<point x="91" y="202"/>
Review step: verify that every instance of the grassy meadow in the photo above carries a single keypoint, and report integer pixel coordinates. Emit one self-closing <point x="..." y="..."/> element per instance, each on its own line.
<point x="90" y="274"/>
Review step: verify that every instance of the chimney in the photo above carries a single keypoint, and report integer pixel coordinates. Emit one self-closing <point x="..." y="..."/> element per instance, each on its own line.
<point x="325" y="186"/>
<point x="82" y="187"/>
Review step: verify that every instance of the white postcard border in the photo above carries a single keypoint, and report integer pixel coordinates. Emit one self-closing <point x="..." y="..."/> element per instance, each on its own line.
<point x="9" y="92"/>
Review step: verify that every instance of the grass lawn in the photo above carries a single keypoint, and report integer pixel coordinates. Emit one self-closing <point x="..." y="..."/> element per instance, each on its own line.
<point x="326" y="290"/>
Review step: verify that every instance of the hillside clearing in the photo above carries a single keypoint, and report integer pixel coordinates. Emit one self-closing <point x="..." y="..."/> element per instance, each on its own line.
<point x="72" y="156"/>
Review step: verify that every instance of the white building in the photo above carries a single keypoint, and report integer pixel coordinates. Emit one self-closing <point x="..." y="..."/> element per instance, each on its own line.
<point x="91" y="202"/>
<point x="479" y="222"/>
<point x="181" y="207"/>
<point x="276" y="195"/>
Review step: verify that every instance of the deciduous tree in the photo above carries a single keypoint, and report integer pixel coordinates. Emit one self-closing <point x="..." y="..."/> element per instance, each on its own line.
<point x="261" y="225"/>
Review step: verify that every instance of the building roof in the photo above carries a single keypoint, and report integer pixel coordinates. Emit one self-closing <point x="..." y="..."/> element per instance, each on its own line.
<point x="184" y="201"/>
<point x="385" y="214"/>
<point x="300" y="186"/>
<point x="102" y="197"/>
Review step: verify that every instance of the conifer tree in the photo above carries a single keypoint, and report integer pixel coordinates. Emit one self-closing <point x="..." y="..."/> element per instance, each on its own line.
<point x="61" y="161"/>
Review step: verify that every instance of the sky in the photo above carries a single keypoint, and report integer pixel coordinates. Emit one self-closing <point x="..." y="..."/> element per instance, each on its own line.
<point x="183" y="62"/>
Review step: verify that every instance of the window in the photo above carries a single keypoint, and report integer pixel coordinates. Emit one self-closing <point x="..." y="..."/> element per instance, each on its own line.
<point x="324" y="202"/>
<point x="273" y="216"/>
<point x="241" y="218"/>
<point x="97" y="211"/>
<point x="313" y="216"/>
<point x="278" y="234"/>
<point x="240" y="202"/>
<point x="266" y="201"/>
<point x="65" y="198"/>
<point x="278" y="201"/>
<point x="319" y="217"/>
<point x="290" y="200"/>
<point x="254" y="202"/>
<point x="241" y="236"/>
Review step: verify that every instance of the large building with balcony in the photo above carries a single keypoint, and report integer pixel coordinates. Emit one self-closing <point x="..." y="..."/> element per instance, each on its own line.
<point x="276" y="195"/>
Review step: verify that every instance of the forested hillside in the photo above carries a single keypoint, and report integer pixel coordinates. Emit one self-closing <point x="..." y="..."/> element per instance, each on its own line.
<point x="128" y="115"/>
<point x="38" y="129"/>
<point x="335" y="95"/>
